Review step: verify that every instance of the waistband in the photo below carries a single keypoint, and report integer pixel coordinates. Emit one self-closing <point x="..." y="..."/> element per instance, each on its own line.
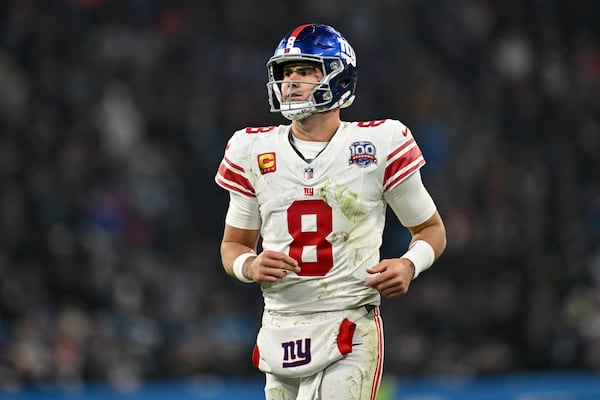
<point x="284" y="319"/>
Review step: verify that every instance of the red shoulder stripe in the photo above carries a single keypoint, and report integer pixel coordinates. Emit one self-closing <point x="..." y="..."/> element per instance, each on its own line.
<point x="403" y="161"/>
<point x="229" y="177"/>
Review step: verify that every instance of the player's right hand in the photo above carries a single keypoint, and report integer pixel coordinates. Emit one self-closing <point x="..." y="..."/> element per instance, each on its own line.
<point x="270" y="266"/>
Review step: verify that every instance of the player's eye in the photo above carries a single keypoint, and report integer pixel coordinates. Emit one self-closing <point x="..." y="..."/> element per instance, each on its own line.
<point x="302" y="71"/>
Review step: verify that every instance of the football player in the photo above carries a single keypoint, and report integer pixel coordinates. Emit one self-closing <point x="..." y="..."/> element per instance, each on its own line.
<point x="316" y="191"/>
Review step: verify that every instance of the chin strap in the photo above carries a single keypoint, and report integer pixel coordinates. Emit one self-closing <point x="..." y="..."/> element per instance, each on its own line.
<point x="303" y="112"/>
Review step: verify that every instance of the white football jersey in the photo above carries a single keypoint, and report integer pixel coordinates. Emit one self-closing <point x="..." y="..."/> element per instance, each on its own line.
<point x="328" y="214"/>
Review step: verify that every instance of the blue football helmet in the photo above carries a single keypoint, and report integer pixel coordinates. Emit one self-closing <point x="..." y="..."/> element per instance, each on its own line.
<point x="325" y="46"/>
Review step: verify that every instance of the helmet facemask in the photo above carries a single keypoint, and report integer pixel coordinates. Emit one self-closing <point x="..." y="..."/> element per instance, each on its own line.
<point x="319" y="99"/>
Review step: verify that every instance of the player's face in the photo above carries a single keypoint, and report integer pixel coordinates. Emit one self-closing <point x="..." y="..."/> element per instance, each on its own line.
<point x="298" y="81"/>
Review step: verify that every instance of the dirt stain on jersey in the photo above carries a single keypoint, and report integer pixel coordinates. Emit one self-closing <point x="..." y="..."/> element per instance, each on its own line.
<point x="339" y="237"/>
<point x="279" y="394"/>
<point x="347" y="201"/>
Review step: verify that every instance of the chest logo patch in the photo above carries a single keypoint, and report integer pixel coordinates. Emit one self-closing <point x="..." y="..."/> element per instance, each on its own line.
<point x="267" y="162"/>
<point x="362" y="153"/>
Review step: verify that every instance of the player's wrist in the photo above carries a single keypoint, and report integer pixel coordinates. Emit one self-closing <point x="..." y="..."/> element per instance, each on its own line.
<point x="238" y="267"/>
<point x="412" y="266"/>
<point x="421" y="255"/>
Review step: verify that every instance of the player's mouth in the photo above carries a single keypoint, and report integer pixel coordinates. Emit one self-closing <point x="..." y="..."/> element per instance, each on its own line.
<point x="294" y="96"/>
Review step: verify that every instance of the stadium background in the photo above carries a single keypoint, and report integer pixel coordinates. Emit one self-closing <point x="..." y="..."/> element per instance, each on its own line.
<point x="114" y="116"/>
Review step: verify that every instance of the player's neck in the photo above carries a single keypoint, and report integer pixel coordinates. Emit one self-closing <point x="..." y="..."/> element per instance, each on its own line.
<point x="319" y="127"/>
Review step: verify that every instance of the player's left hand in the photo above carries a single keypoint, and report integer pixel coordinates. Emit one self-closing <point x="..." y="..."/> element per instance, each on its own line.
<point x="393" y="277"/>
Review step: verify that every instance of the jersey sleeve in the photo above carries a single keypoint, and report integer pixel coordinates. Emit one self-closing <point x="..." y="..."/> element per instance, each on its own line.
<point x="410" y="201"/>
<point x="404" y="157"/>
<point x="243" y="212"/>
<point x="232" y="174"/>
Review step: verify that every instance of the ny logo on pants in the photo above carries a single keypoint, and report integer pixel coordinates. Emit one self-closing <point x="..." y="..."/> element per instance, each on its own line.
<point x="296" y="353"/>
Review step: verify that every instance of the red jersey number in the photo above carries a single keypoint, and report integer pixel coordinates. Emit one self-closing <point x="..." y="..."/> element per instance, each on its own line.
<point x="315" y="236"/>
<point x="371" y="124"/>
<point x="259" y="129"/>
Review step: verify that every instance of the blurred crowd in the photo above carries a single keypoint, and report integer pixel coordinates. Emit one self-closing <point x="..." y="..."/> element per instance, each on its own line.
<point x="114" y="115"/>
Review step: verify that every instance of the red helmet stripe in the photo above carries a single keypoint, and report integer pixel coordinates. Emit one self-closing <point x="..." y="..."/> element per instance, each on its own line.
<point x="299" y="29"/>
<point x="294" y="35"/>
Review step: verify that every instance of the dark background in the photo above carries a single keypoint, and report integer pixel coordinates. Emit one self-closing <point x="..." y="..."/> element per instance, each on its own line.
<point x="113" y="119"/>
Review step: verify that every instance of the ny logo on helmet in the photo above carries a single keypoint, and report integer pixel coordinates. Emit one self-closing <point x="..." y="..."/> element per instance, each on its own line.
<point x="347" y="52"/>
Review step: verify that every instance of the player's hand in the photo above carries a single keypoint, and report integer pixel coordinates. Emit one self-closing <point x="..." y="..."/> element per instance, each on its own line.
<point x="392" y="277"/>
<point x="270" y="266"/>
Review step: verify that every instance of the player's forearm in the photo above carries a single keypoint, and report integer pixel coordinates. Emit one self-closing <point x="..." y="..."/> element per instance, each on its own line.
<point x="433" y="232"/>
<point x="235" y="243"/>
<point x="427" y="244"/>
<point x="230" y="251"/>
